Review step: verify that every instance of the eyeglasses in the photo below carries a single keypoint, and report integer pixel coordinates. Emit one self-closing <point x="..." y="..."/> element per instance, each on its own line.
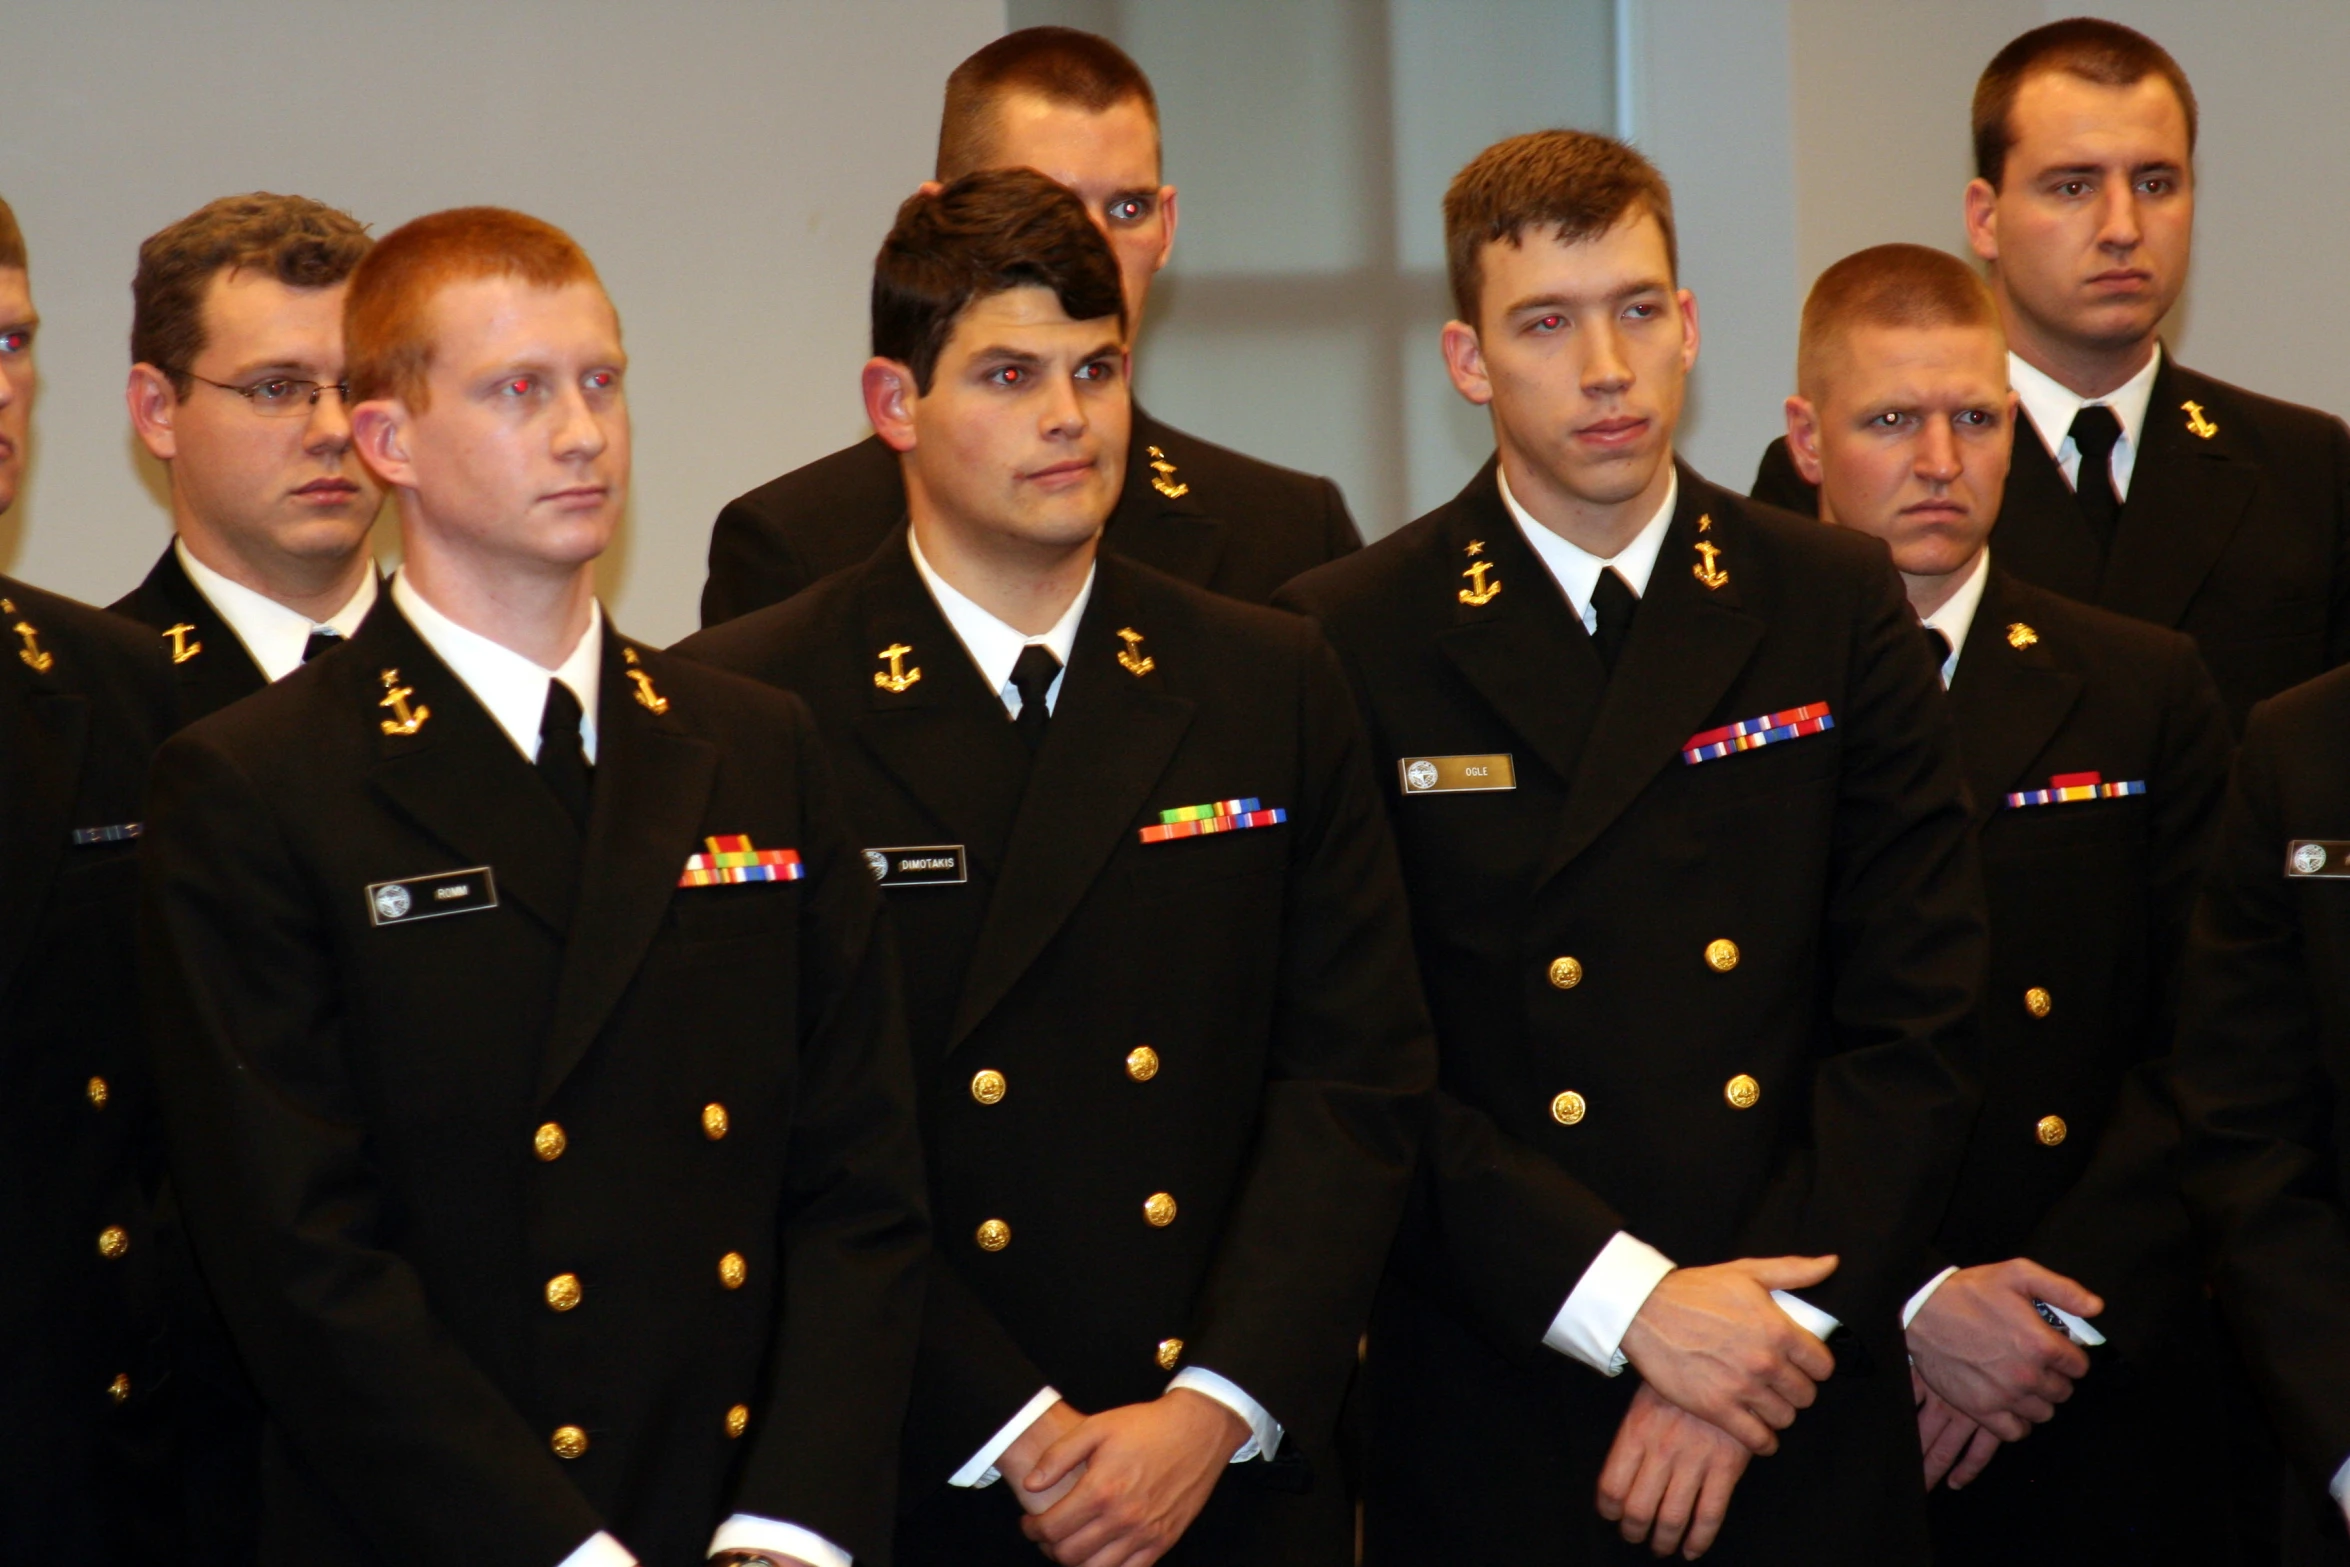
<point x="280" y="396"/>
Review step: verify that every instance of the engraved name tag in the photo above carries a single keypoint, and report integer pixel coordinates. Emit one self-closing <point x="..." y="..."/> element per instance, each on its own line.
<point x="1456" y="774"/>
<point x="2321" y="858"/>
<point x="430" y="897"/>
<point x="928" y="865"/>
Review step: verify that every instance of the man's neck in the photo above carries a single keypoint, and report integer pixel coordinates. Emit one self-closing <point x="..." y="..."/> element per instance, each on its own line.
<point x="313" y="587"/>
<point x="1928" y="594"/>
<point x="1599" y="528"/>
<point x="538" y="612"/>
<point x="2088" y="370"/>
<point x="1028" y="587"/>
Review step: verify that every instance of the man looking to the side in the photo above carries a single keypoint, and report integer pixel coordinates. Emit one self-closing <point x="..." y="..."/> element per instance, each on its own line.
<point x="1072" y="106"/>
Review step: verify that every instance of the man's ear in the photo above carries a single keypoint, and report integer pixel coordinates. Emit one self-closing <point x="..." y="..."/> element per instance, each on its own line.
<point x="1464" y="361"/>
<point x="1982" y="219"/>
<point x="153" y="404"/>
<point x="1167" y="215"/>
<point x="380" y="429"/>
<point x="1803" y="437"/>
<point x="890" y="396"/>
<point x="1689" y="333"/>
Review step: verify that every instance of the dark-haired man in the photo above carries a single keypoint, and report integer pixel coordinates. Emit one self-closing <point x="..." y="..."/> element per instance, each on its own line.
<point x="236" y="387"/>
<point x="2206" y="508"/>
<point x="2096" y="750"/>
<point x="1685" y="836"/>
<point x="1073" y="106"/>
<point x="1170" y="1041"/>
<point x="85" y="1444"/>
<point x="534" y="1073"/>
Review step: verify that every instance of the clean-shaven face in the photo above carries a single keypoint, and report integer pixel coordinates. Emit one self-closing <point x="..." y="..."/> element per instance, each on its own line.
<point x="1111" y="160"/>
<point x="18" y="377"/>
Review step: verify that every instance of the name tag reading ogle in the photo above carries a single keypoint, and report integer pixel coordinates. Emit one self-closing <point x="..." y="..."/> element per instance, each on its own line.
<point x="1456" y="774"/>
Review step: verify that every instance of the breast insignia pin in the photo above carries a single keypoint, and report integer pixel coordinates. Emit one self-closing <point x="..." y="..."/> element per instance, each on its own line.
<point x="405" y="720"/>
<point x="1131" y="657"/>
<point x="2196" y="424"/>
<point x="897" y="678"/>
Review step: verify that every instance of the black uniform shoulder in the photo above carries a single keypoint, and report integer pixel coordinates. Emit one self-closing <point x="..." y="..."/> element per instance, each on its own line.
<point x="1369" y="589"/>
<point x="1230" y="627"/>
<point x="2260" y="422"/>
<point x="858" y="477"/>
<point x="2311" y="716"/>
<point x="1227" y="473"/>
<point x="767" y="644"/>
<point x="714" y="697"/>
<point x="1779" y="482"/>
<point x="2074" y="632"/>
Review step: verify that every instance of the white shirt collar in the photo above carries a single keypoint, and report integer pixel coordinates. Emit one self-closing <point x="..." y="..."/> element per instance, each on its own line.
<point x="272" y="633"/>
<point x="2052" y="405"/>
<point x="993" y="645"/>
<point x="1575" y="569"/>
<point x="512" y="688"/>
<point x="1957" y="613"/>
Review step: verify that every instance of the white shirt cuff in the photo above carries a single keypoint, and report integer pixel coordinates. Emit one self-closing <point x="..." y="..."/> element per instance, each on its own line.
<point x="1807" y="1316"/>
<point x="2339" y="1486"/>
<point x="1590" y="1327"/>
<point x="980" y="1469"/>
<point x="600" y="1550"/>
<point x="1264" y="1439"/>
<point x="750" y="1532"/>
<point x="1917" y="1303"/>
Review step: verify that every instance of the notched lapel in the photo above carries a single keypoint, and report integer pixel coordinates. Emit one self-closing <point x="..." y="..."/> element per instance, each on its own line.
<point x="2188" y="496"/>
<point x="2009" y="702"/>
<point x="42" y="748"/>
<point x="1176" y="534"/>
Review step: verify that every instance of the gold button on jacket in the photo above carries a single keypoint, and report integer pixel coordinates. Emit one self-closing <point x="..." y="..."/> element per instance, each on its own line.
<point x="2038" y="1002"/>
<point x="563" y="1291"/>
<point x="988" y="1086"/>
<point x="2051" y="1131"/>
<point x="548" y="1142"/>
<point x="714" y="1121"/>
<point x="98" y="1093"/>
<point x="1159" y="1209"/>
<point x="113" y="1241"/>
<point x="994" y="1235"/>
<point x="1568" y="1108"/>
<point x="1721" y="956"/>
<point x="1566" y="973"/>
<point x="1170" y="1353"/>
<point x="569" y="1442"/>
<point x="732" y="1270"/>
<point x="120" y="1388"/>
<point x="738" y="1420"/>
<point x="1142" y="1063"/>
<point x="1742" y="1091"/>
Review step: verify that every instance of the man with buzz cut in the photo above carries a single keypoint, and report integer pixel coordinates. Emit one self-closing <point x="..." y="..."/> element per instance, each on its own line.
<point x="1071" y="105"/>
<point x="1169" y="1039"/>
<point x="2205" y="508"/>
<point x="1685" y="835"/>
<point x="533" y="1069"/>
<point x="237" y="388"/>
<point x="2063" y="1298"/>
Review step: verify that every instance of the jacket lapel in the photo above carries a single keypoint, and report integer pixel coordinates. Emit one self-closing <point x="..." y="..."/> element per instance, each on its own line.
<point x="43" y="736"/>
<point x="1111" y="738"/>
<point x="2008" y="701"/>
<point x="2041" y="533"/>
<point x="211" y="661"/>
<point x="1170" y="532"/>
<point x="2188" y="495"/>
<point x="651" y="795"/>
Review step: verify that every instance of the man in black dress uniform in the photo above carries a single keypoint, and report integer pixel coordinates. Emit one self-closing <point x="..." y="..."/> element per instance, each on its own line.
<point x="534" y="1073"/>
<point x="1075" y="107"/>
<point x="236" y="387"/>
<point x="2208" y="508"/>
<point x="1683" y="825"/>
<point x="1170" y="1044"/>
<point x="85" y="1446"/>
<point x="2096" y="750"/>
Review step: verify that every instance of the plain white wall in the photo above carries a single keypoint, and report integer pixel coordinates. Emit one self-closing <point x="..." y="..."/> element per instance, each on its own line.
<point x="730" y="165"/>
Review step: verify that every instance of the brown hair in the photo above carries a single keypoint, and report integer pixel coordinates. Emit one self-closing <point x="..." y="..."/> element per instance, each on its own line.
<point x="1061" y="65"/>
<point x="1888" y="286"/>
<point x="387" y="318"/>
<point x="1579" y="183"/>
<point x="987" y="232"/>
<point x="300" y="242"/>
<point x="2088" y="47"/>
<point x="11" y="240"/>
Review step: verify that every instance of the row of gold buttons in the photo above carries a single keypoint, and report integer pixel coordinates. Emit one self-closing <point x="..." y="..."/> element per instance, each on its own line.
<point x="989" y="1086"/>
<point x="1720" y="955"/>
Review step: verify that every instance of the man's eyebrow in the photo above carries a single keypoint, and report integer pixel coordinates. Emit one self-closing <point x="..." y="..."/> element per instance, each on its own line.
<point x="293" y="367"/>
<point x="1135" y="193"/>
<point x="999" y="353"/>
<point x="22" y="324"/>
<point x="1621" y="291"/>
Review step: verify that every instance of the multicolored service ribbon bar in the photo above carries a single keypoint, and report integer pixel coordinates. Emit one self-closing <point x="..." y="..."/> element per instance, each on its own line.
<point x="2065" y="788"/>
<point x="1770" y="729"/>
<point x="1191" y="821"/>
<point x="732" y="859"/>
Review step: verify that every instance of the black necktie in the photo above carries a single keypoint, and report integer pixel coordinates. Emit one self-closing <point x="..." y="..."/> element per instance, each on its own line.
<point x="1032" y="677"/>
<point x="563" y="759"/>
<point x="321" y="638"/>
<point x="1613" y="601"/>
<point x="1938" y="645"/>
<point x="2094" y="432"/>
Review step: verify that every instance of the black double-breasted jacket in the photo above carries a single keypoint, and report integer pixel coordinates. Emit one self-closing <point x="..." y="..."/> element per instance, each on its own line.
<point x="1723" y="1002"/>
<point x="1192" y="509"/>
<point x="84" y="701"/>
<point x="1183" y="1076"/>
<point x="544" y="1194"/>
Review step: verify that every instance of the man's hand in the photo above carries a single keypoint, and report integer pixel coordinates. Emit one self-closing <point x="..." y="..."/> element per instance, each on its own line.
<point x="1714" y="1342"/>
<point x="1954" y="1445"/>
<point x="1019" y="1460"/>
<point x="1669" y="1476"/>
<point x="1147" y="1470"/>
<point x="1980" y="1344"/>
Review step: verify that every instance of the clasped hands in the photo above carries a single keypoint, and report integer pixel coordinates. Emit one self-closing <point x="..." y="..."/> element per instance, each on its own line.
<point x="1118" y="1489"/>
<point x="1986" y="1367"/>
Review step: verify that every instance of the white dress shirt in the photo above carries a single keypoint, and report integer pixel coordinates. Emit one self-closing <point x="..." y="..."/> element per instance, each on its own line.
<point x="272" y="633"/>
<point x="2052" y="405"/>
<point x="1591" y="1324"/>
<point x="995" y="647"/>
<point x="513" y="689"/>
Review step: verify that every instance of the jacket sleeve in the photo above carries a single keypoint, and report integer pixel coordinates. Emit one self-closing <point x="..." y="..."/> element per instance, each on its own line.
<point x="273" y="1166"/>
<point x="855" y="1224"/>
<point x="752" y="564"/>
<point x="2259" y="1165"/>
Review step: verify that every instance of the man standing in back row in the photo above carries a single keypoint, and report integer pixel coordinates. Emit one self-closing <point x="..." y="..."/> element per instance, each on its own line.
<point x="1073" y="107"/>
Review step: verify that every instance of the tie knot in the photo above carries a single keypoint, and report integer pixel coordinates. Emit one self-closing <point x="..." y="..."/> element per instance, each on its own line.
<point x="559" y="720"/>
<point x="1937" y="644"/>
<point x="2096" y="429"/>
<point x="321" y="638"/>
<point x="1032" y="675"/>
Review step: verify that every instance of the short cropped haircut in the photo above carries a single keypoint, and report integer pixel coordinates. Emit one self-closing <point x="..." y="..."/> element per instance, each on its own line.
<point x="986" y="233"/>
<point x="1578" y="183"/>
<point x="12" y="252"/>
<point x="1887" y="286"/>
<point x="2088" y="47"/>
<point x="388" y="327"/>
<point x="1063" y="66"/>
<point x="299" y="242"/>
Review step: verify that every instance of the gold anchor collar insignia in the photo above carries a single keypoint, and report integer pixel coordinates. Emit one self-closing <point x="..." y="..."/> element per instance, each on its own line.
<point x="1131" y="657"/>
<point x="181" y="648"/>
<point x="405" y="720"/>
<point x="1163" y="477"/>
<point x="2197" y="425"/>
<point x="1705" y="571"/>
<point x="40" y="662"/>
<point x="647" y="698"/>
<point x="2021" y="636"/>
<point x="1482" y="588"/>
<point x="897" y="678"/>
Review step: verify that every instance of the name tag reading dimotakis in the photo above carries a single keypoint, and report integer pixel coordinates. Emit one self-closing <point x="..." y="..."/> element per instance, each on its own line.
<point x="1456" y="774"/>
<point x="929" y="865"/>
<point x="430" y="897"/>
